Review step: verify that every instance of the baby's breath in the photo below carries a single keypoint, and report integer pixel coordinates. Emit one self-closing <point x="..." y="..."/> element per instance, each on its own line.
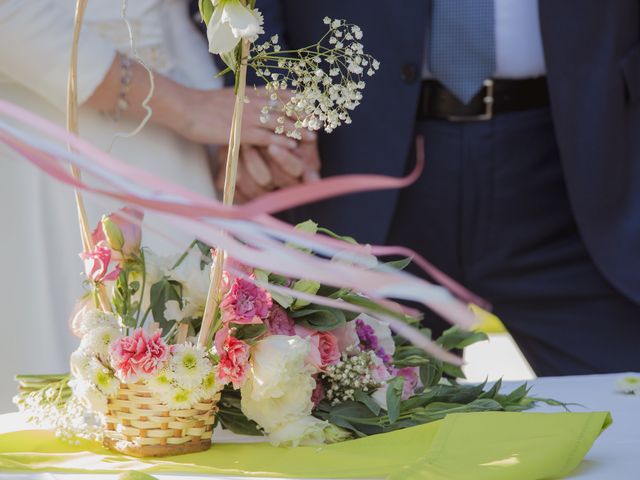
<point x="324" y="80"/>
<point x="350" y="374"/>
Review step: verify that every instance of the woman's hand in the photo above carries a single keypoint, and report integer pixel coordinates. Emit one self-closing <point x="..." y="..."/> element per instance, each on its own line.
<point x="205" y="117"/>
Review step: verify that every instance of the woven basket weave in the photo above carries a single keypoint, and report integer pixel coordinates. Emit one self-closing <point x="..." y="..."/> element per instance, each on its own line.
<point x="139" y="424"/>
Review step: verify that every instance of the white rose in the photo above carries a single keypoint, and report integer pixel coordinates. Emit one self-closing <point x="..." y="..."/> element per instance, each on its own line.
<point x="303" y="431"/>
<point x="279" y="386"/>
<point x="382" y="332"/>
<point x="230" y="22"/>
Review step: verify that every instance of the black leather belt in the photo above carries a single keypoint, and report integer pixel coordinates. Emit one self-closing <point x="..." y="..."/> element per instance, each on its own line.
<point x="495" y="97"/>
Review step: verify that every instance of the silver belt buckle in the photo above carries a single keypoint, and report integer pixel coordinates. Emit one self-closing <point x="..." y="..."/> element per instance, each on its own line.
<point x="487" y="85"/>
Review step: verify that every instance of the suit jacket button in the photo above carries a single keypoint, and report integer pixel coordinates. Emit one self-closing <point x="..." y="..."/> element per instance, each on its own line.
<point x="409" y="73"/>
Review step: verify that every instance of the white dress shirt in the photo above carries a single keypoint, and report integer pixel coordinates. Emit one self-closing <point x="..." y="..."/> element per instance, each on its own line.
<point x="519" y="51"/>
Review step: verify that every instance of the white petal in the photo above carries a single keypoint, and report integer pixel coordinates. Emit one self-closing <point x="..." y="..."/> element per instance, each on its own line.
<point x="221" y="38"/>
<point x="245" y="23"/>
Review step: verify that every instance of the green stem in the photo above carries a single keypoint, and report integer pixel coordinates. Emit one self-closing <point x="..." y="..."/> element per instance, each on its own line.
<point x="144" y="284"/>
<point x="184" y="255"/>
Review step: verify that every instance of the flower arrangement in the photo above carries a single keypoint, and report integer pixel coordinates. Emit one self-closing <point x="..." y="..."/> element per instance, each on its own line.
<point x="285" y="367"/>
<point x="172" y="346"/>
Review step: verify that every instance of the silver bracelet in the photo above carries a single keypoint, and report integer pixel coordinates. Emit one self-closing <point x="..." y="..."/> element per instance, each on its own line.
<point x="126" y="74"/>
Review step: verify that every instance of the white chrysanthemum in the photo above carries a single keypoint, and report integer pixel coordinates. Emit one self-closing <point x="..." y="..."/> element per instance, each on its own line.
<point x="98" y="341"/>
<point x="179" y="398"/>
<point x="79" y="363"/>
<point x="230" y="22"/>
<point x="89" y="319"/>
<point x="89" y="395"/>
<point x="628" y="385"/>
<point x="189" y="365"/>
<point x="103" y="378"/>
<point x="162" y="382"/>
<point x="209" y="387"/>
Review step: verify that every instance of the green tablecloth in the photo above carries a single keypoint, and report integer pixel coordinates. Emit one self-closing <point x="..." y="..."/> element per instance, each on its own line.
<point x="491" y="445"/>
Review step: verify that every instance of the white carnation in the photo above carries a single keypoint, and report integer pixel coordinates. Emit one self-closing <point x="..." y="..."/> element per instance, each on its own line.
<point x="79" y="363"/>
<point x="307" y="431"/>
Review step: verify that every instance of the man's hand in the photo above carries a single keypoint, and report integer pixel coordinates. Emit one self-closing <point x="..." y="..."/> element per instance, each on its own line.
<point x="262" y="169"/>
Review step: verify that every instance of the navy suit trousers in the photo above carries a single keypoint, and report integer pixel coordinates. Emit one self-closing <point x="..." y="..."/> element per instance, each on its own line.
<point x="491" y="209"/>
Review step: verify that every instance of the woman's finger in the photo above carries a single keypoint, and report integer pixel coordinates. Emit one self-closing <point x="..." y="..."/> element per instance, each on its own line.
<point x="257" y="167"/>
<point x="289" y="162"/>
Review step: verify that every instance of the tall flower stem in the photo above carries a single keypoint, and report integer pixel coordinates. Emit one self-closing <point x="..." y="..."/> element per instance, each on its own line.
<point x="209" y="320"/>
<point x="72" y="127"/>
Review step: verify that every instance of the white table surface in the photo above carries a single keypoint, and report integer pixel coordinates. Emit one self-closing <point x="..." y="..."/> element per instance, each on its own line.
<point x="614" y="456"/>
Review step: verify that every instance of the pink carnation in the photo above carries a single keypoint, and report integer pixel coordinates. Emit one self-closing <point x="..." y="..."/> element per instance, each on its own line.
<point x="234" y="361"/>
<point x="324" y="347"/>
<point x="279" y="323"/>
<point x="139" y="355"/>
<point x="245" y="303"/>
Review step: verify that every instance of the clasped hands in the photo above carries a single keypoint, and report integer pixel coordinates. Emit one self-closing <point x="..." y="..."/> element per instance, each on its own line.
<point x="268" y="162"/>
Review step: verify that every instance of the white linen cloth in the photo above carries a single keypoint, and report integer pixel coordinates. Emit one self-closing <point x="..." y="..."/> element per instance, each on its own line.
<point x="40" y="238"/>
<point x="613" y="456"/>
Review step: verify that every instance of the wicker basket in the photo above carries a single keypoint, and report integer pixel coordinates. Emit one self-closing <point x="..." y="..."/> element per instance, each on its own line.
<point x="139" y="424"/>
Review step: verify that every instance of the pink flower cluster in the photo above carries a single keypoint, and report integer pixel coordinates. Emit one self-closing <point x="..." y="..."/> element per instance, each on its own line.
<point x="139" y="355"/>
<point x="245" y="303"/>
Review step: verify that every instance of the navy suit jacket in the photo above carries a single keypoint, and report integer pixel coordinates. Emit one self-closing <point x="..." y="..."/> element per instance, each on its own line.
<point x="592" y="52"/>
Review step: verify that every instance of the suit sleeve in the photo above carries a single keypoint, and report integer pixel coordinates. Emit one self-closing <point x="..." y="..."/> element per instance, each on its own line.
<point x="35" y="39"/>
<point x="274" y="24"/>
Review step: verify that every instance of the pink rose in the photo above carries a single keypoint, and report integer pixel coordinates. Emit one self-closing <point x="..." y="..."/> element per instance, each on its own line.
<point x="245" y="303"/>
<point x="96" y="264"/>
<point x="139" y="355"/>
<point x="324" y="347"/>
<point x="234" y="361"/>
<point x="279" y="323"/>
<point x="121" y="231"/>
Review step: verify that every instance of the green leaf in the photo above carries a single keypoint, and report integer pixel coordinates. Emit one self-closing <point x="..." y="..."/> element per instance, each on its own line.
<point x="320" y="318"/>
<point x="161" y="292"/>
<point x="129" y="321"/>
<point x="493" y="391"/>
<point x="453" y="371"/>
<point x="305" y="286"/>
<point x="367" y="400"/>
<point x="134" y="287"/>
<point x="309" y="227"/>
<point x="206" y="10"/>
<point x="248" y="333"/>
<point x="457" y="338"/>
<point x="515" y="396"/>
<point x="394" y="397"/>
<point x="344" y="238"/>
<point x="399" y="264"/>
<point x="431" y="373"/>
